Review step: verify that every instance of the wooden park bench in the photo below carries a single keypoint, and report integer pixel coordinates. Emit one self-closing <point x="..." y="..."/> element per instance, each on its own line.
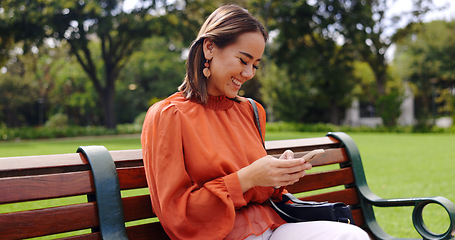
<point x="55" y="194"/>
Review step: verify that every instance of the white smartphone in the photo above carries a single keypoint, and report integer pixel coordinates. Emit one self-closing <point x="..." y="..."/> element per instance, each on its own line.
<point x="312" y="155"/>
<point x="308" y="157"/>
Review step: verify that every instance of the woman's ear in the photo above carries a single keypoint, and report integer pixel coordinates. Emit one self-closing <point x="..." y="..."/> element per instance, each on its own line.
<point x="208" y="46"/>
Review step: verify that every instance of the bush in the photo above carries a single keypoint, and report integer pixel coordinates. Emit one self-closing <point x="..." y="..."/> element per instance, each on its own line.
<point x="389" y="107"/>
<point x="324" y="127"/>
<point x="139" y="120"/>
<point x="58" y="120"/>
<point x="8" y="134"/>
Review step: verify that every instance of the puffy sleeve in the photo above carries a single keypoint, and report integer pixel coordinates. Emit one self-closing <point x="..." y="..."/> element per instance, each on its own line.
<point x="178" y="201"/>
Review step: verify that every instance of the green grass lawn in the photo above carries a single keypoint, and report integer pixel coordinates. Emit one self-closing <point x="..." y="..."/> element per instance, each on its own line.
<point x="396" y="165"/>
<point x="66" y="145"/>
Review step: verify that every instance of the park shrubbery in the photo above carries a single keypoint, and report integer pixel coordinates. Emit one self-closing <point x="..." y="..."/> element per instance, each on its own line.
<point x="326" y="127"/>
<point x="9" y="134"/>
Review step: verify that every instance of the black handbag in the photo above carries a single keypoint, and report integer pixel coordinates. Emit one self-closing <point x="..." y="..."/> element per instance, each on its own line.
<point x="292" y="209"/>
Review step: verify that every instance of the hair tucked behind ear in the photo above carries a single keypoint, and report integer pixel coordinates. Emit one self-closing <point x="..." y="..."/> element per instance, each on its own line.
<point x="223" y="27"/>
<point x="196" y="87"/>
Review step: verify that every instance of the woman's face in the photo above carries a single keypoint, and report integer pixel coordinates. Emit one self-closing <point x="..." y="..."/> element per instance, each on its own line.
<point x="234" y="64"/>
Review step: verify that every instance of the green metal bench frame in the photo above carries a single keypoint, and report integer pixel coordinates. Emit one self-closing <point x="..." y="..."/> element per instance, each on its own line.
<point x="368" y="199"/>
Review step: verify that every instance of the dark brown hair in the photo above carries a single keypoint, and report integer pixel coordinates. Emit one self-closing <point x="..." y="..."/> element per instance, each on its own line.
<point x="223" y="27"/>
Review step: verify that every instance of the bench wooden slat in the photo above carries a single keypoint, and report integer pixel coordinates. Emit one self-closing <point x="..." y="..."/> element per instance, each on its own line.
<point x="314" y="181"/>
<point x="58" y="163"/>
<point x="130" y="178"/>
<point x="278" y="146"/>
<point x="146" y="232"/>
<point x="330" y="156"/>
<point x="126" y="155"/>
<point x="28" y="188"/>
<point x="89" y="236"/>
<point x="30" y="162"/>
<point x="138" y="207"/>
<point x="357" y="215"/>
<point x="44" y="164"/>
<point x="33" y="223"/>
<point x="348" y="196"/>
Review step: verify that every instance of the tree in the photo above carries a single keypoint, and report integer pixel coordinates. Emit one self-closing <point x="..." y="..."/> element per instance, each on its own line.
<point x="154" y="72"/>
<point x="17" y="97"/>
<point x="358" y="27"/>
<point x="24" y="84"/>
<point x="318" y="68"/>
<point x="426" y="61"/>
<point x="102" y="22"/>
<point x="41" y="83"/>
<point x="372" y="33"/>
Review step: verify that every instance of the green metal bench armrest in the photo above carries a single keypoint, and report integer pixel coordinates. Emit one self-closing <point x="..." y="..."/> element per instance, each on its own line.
<point x="368" y="199"/>
<point x="107" y="192"/>
<point x="417" y="218"/>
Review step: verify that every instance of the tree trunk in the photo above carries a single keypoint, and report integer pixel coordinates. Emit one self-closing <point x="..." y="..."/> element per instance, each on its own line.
<point x="334" y="113"/>
<point x="108" y="104"/>
<point x="381" y="78"/>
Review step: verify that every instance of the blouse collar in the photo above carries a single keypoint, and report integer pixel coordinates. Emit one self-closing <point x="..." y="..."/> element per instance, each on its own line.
<point x="218" y="103"/>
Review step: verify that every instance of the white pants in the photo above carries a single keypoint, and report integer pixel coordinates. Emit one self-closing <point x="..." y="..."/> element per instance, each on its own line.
<point x="319" y="230"/>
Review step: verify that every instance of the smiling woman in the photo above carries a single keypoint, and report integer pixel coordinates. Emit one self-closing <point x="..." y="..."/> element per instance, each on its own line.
<point x="207" y="170"/>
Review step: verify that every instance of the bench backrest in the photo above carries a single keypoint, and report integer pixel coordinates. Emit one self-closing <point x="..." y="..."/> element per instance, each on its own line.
<point x="52" y="194"/>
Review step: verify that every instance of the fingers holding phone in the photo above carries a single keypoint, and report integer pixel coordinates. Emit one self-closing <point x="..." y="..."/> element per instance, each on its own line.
<point x="312" y="155"/>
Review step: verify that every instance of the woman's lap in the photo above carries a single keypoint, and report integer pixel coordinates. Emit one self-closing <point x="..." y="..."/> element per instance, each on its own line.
<point x="319" y="230"/>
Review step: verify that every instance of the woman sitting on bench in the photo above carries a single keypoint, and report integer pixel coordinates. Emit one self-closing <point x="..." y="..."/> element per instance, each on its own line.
<point x="208" y="172"/>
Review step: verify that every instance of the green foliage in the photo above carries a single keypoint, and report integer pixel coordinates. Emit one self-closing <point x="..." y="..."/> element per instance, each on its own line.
<point x="287" y="100"/>
<point x="389" y="107"/>
<point x="365" y="88"/>
<point x="139" y="120"/>
<point x="9" y="134"/>
<point x="18" y="98"/>
<point x="315" y="78"/>
<point x="427" y="62"/>
<point x="326" y="127"/>
<point x="308" y="74"/>
<point x="155" y="71"/>
<point x="117" y="35"/>
<point x="58" y="120"/>
<point x="47" y="82"/>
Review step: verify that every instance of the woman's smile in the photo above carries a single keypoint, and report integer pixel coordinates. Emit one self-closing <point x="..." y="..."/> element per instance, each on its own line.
<point x="237" y="83"/>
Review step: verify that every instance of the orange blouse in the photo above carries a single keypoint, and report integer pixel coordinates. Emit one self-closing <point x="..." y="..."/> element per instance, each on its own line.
<point x="192" y="153"/>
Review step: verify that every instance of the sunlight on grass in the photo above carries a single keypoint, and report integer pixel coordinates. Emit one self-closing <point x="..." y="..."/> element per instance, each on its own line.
<point x="431" y="213"/>
<point x="40" y="204"/>
<point x="69" y="145"/>
<point x="135" y="192"/>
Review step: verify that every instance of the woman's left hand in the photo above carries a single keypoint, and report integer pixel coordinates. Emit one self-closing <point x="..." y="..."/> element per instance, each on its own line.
<point x="269" y="171"/>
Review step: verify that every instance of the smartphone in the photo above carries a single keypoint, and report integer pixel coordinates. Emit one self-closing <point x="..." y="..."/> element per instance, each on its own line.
<point x="308" y="157"/>
<point x="312" y="155"/>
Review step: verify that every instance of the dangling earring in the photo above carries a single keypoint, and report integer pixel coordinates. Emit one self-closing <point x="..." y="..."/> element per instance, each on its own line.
<point x="206" y="70"/>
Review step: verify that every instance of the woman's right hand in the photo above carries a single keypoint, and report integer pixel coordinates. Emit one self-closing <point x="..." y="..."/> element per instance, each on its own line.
<point x="269" y="171"/>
